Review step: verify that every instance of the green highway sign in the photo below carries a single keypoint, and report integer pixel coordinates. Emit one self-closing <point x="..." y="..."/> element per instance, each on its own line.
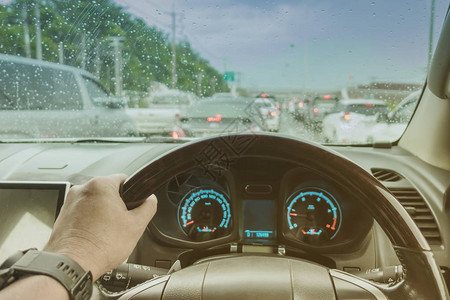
<point x="228" y="76"/>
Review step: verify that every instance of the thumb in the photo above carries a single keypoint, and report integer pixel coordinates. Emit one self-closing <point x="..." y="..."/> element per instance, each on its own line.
<point x="145" y="212"/>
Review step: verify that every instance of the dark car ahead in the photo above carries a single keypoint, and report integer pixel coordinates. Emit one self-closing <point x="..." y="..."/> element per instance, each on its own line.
<point x="300" y="108"/>
<point x="318" y="108"/>
<point x="219" y="116"/>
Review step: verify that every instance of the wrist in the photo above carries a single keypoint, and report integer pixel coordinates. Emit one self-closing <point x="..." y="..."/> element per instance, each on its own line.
<point x="81" y="260"/>
<point x="48" y="283"/>
<point x="82" y="251"/>
<point x="40" y="286"/>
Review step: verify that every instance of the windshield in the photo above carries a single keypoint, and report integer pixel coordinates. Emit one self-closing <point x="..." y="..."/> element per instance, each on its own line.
<point x="115" y="68"/>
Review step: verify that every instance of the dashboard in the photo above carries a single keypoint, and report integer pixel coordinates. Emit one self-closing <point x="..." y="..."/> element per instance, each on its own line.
<point x="254" y="205"/>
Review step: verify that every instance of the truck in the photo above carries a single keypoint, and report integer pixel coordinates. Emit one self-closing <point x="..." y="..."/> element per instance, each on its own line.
<point x="41" y="99"/>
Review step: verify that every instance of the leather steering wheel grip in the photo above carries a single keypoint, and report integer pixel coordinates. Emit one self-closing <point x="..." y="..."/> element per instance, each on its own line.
<point x="422" y="277"/>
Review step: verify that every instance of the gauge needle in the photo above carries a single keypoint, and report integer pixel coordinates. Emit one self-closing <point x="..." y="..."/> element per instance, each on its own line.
<point x="189" y="223"/>
<point x="293" y="214"/>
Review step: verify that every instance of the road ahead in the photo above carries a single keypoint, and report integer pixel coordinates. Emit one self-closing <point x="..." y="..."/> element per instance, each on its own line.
<point x="290" y="126"/>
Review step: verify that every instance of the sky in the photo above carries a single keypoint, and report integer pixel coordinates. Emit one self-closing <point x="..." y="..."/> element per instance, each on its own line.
<point x="303" y="44"/>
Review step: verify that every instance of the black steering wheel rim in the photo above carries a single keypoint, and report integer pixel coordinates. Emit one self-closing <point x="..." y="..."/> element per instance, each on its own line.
<point x="422" y="276"/>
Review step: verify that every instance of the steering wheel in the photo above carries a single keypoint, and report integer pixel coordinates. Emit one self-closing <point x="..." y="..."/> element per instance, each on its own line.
<point x="270" y="277"/>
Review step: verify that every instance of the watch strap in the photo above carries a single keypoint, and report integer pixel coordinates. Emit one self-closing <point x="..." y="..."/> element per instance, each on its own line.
<point x="68" y="272"/>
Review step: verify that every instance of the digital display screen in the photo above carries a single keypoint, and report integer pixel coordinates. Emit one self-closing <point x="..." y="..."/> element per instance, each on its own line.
<point x="27" y="214"/>
<point x="259" y="220"/>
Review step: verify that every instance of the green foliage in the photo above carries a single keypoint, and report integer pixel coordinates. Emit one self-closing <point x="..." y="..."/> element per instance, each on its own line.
<point x="146" y="51"/>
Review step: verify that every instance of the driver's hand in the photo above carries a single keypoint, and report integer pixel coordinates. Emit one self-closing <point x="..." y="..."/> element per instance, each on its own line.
<point x="94" y="226"/>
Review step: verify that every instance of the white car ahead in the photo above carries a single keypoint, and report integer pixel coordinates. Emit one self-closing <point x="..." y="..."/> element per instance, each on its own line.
<point x="162" y="113"/>
<point x="352" y="120"/>
<point x="397" y="120"/>
<point x="269" y="113"/>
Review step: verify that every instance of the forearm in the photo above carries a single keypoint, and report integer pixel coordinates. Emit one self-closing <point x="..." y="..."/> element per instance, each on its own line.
<point x="35" y="287"/>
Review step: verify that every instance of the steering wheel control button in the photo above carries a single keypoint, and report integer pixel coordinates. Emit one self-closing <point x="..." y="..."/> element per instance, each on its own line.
<point x="127" y="276"/>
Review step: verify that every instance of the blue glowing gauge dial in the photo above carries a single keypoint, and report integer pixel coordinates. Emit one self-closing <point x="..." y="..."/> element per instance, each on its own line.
<point x="313" y="215"/>
<point x="204" y="214"/>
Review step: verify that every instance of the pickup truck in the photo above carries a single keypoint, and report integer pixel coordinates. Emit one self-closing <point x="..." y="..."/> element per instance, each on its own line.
<point x="48" y="100"/>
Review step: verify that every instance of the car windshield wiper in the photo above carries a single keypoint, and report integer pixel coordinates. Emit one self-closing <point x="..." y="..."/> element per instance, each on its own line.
<point x="166" y="139"/>
<point x="380" y="145"/>
<point x="78" y="140"/>
<point x="150" y="139"/>
<point x="155" y="139"/>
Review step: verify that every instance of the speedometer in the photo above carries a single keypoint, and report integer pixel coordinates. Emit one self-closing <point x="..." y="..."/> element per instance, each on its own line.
<point x="312" y="215"/>
<point x="205" y="214"/>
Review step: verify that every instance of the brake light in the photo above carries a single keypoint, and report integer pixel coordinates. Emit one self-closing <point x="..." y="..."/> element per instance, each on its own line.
<point x="273" y="113"/>
<point x="216" y="118"/>
<point x="175" y="135"/>
<point x="300" y="104"/>
<point x="315" y="110"/>
<point x="327" y="97"/>
<point x="346" y="116"/>
<point x="264" y="95"/>
<point x="368" y="105"/>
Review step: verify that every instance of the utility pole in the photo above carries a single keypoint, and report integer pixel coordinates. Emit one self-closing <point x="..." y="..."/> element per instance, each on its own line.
<point x="38" y="32"/>
<point x="238" y="79"/>
<point x="83" y="51"/>
<point x="199" y="83"/>
<point x="26" y="32"/>
<point x="213" y="85"/>
<point x="117" y="44"/>
<point x="305" y="64"/>
<point x="61" y="52"/>
<point x="305" y="55"/>
<point x="174" y="55"/>
<point x="430" y="36"/>
<point x="98" y="62"/>
<point x="224" y="61"/>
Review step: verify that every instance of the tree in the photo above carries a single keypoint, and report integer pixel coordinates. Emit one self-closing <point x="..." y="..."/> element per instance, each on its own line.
<point x="146" y="50"/>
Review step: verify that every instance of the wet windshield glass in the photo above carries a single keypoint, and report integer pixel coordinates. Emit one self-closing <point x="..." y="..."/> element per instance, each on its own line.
<point x="116" y="68"/>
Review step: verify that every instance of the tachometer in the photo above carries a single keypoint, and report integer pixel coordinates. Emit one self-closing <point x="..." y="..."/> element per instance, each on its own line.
<point x="312" y="215"/>
<point x="205" y="214"/>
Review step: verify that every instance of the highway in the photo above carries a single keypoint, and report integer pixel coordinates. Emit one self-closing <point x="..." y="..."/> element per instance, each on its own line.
<point x="290" y="126"/>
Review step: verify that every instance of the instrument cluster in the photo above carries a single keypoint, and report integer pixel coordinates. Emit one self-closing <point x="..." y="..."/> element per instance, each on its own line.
<point x="312" y="215"/>
<point x="205" y="214"/>
<point x="296" y="207"/>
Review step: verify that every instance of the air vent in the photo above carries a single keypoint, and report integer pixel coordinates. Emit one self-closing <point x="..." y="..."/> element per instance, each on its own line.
<point x="418" y="209"/>
<point x="386" y="175"/>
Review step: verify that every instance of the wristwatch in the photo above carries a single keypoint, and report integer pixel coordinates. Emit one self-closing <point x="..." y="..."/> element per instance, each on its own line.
<point x="74" y="278"/>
